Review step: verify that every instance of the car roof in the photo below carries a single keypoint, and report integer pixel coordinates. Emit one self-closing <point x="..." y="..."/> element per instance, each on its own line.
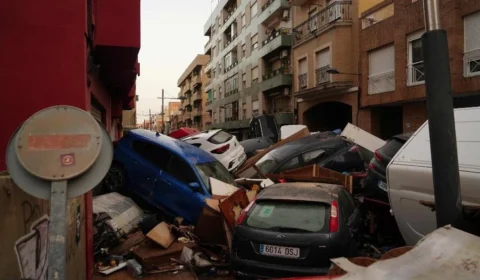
<point x="319" y="140"/>
<point x="311" y="192"/>
<point x="180" y="148"/>
<point x="201" y="134"/>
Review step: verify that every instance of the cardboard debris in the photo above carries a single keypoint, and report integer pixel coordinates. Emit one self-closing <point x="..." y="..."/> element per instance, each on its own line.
<point x="151" y="257"/>
<point x="233" y="205"/>
<point x="162" y="235"/>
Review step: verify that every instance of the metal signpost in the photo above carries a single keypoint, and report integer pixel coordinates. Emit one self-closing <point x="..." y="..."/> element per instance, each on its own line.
<point x="59" y="153"/>
<point x="441" y="121"/>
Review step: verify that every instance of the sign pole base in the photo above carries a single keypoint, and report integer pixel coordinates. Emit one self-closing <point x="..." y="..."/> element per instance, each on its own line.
<point x="57" y="231"/>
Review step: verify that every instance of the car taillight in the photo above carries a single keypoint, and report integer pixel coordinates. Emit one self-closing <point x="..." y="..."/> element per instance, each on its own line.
<point x="244" y="213"/>
<point x="353" y="149"/>
<point x="334" y="216"/>
<point x="282" y="180"/>
<point x="377" y="156"/>
<point x="371" y="166"/>
<point x="221" y="150"/>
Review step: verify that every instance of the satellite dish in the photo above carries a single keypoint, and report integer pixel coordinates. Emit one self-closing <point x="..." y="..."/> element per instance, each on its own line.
<point x="60" y="152"/>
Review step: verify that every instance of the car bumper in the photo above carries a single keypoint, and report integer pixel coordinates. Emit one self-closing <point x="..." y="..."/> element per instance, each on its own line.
<point x="239" y="160"/>
<point x="256" y="269"/>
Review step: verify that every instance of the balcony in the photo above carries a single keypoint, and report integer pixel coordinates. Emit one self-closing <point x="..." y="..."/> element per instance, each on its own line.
<point x="297" y="2"/>
<point x="231" y="66"/>
<point x="416" y="73"/>
<point x="282" y="38"/>
<point x="284" y="117"/>
<point x="231" y="92"/>
<point x="273" y="9"/>
<point x="333" y="14"/>
<point x="321" y="75"/>
<point x="196" y="80"/>
<point x="275" y="79"/>
<point x="380" y="83"/>
<point x="234" y="124"/>
<point x="378" y="16"/>
<point x="187" y="115"/>
<point x="197" y="112"/>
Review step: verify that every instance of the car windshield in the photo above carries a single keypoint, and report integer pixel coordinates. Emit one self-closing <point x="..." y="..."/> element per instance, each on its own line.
<point x="289" y="216"/>
<point x="216" y="170"/>
<point x="267" y="163"/>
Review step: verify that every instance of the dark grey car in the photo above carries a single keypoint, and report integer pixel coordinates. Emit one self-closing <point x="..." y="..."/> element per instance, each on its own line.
<point x="294" y="229"/>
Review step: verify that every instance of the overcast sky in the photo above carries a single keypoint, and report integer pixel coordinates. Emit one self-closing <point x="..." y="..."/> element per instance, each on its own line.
<point x="172" y="35"/>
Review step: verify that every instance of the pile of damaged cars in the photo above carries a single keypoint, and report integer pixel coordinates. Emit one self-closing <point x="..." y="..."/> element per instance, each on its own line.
<point x="287" y="210"/>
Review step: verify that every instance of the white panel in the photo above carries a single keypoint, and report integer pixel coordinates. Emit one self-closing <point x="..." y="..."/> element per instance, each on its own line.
<point x="323" y="57"/>
<point x="472" y="32"/>
<point x="381" y="60"/>
<point x="303" y="66"/>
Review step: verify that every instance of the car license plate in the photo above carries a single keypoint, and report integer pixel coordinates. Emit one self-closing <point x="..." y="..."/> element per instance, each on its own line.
<point x="382" y="185"/>
<point x="241" y="158"/>
<point x="279" y="251"/>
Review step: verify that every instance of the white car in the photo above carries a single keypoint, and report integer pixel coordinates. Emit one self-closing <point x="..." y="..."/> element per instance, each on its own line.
<point x="221" y="144"/>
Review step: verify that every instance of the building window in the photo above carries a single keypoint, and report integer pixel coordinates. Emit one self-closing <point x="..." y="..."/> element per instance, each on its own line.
<point x="254" y="41"/>
<point x="416" y="67"/>
<point x="244" y="20"/>
<point x="322" y="60"/>
<point x="244" y="51"/>
<point x="244" y="106"/>
<point x="472" y="45"/>
<point x="231" y="85"/>
<point x="244" y="80"/>
<point x="255" y="108"/>
<point x="253" y="9"/>
<point x="381" y="70"/>
<point x="255" y="75"/>
<point x="302" y="78"/>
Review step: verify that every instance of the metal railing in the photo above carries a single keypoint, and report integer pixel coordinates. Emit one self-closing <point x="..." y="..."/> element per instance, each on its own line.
<point x="302" y="80"/>
<point x="333" y="13"/>
<point x="472" y="63"/>
<point x="383" y="82"/>
<point x="281" y="31"/>
<point x="416" y="73"/>
<point x="280" y="71"/>
<point x="321" y="75"/>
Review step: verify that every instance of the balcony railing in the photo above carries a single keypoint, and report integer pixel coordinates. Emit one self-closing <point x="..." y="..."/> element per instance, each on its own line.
<point x="281" y="31"/>
<point x="229" y="67"/>
<point x="208" y="102"/>
<point x="321" y="75"/>
<point x="416" y="73"/>
<point x="378" y="16"/>
<point x="333" y="13"/>
<point x="280" y="71"/>
<point x="208" y="42"/>
<point x="472" y="63"/>
<point x="383" y="82"/>
<point x="230" y="92"/>
<point x="302" y="80"/>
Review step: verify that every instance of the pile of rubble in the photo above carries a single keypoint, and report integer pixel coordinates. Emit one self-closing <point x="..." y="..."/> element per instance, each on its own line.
<point x="127" y="237"/>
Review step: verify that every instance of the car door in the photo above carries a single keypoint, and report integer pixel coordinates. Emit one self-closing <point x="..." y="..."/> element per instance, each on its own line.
<point x="180" y="198"/>
<point x="142" y="169"/>
<point x="345" y="160"/>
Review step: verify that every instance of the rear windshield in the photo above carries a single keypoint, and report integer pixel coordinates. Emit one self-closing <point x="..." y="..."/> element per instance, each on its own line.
<point x="289" y="216"/>
<point x="220" y="137"/>
<point x="391" y="147"/>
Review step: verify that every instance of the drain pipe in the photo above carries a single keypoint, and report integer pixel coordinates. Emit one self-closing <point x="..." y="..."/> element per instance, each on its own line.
<point x="441" y="121"/>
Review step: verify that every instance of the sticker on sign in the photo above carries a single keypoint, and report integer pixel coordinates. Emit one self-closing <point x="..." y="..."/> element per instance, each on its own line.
<point x="280" y="251"/>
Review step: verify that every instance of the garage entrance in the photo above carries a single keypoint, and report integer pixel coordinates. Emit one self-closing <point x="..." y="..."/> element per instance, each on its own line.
<point x="328" y="116"/>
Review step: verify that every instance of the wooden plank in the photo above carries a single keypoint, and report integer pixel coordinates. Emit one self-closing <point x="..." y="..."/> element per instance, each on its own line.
<point x="251" y="161"/>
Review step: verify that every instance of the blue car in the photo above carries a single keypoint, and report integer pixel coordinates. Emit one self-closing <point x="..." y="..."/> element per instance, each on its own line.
<point x="167" y="173"/>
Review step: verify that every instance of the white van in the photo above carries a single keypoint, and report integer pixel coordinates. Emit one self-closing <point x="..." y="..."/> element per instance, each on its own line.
<point x="409" y="175"/>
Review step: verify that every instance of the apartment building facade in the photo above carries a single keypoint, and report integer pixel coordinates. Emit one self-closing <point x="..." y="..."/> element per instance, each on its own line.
<point x="250" y="67"/>
<point x="193" y="95"/>
<point x="325" y="61"/>
<point x="391" y="59"/>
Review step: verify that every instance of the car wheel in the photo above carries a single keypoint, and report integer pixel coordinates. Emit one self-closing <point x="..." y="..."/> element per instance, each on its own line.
<point x="116" y="179"/>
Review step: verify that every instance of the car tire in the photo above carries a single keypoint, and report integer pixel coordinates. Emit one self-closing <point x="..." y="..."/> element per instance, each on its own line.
<point x="116" y="178"/>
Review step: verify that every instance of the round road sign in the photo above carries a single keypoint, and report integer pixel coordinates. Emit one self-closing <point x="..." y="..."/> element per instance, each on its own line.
<point x="59" y="143"/>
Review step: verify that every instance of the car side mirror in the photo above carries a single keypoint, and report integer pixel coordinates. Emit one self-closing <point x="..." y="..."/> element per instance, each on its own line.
<point x="194" y="186"/>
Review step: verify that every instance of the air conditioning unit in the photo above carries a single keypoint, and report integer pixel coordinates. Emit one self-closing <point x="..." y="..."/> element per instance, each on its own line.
<point x="286" y="15"/>
<point x="284" y="54"/>
<point x="286" y="91"/>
